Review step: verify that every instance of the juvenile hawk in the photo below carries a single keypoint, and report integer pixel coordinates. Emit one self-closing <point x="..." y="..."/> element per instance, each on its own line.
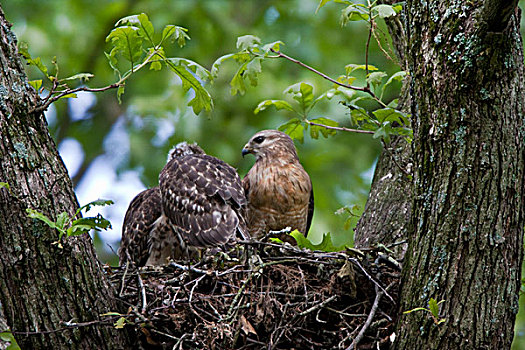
<point x="278" y="189"/>
<point x="185" y="212"/>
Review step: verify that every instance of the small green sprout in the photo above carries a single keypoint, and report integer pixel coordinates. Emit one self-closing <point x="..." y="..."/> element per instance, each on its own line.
<point x="433" y="309"/>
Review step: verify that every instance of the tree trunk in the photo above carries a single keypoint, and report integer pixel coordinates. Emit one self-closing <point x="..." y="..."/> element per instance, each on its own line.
<point x="466" y="65"/>
<point x="43" y="286"/>
<point x="388" y="210"/>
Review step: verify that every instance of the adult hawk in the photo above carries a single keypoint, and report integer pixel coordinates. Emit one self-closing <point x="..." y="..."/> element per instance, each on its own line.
<point x="198" y="204"/>
<point x="278" y="189"/>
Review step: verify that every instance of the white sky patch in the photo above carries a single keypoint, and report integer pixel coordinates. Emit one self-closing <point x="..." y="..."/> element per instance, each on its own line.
<point x="116" y="143"/>
<point x="102" y="182"/>
<point x="80" y="106"/>
<point x="72" y="153"/>
<point x="368" y="174"/>
<point x="271" y="15"/>
<point x="165" y="129"/>
<point x="51" y="115"/>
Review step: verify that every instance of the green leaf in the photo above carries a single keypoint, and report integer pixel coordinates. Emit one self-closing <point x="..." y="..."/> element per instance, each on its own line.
<point x="62" y="220"/>
<point x="127" y="42"/>
<point x="81" y="76"/>
<point x="275" y="46"/>
<point x="345" y="93"/>
<point x="7" y="336"/>
<point x="36" y="84"/>
<point x="302" y="93"/>
<point x="146" y="27"/>
<point x="37" y="62"/>
<point x="384" y="11"/>
<point x="391" y="115"/>
<point x="23" y="50"/>
<point x="120" y="92"/>
<point x="120" y="323"/>
<point x="278" y="104"/>
<point x="216" y="65"/>
<point x="33" y="214"/>
<point x="155" y="65"/>
<point x="294" y="128"/>
<point x="321" y="4"/>
<point x="353" y="67"/>
<point x="96" y="203"/>
<point x="69" y="96"/>
<point x="398" y="7"/>
<point x="175" y="33"/>
<point x="353" y="13"/>
<point x="383" y="132"/>
<point x="326" y="244"/>
<point x="384" y="113"/>
<point x="157" y="57"/>
<point x="316" y="129"/>
<point x="84" y="225"/>
<point x="398" y="76"/>
<point x="375" y="78"/>
<point x="186" y="69"/>
<point x="253" y="68"/>
<point x="5" y="184"/>
<point x="246" y="42"/>
<point x="433" y="307"/>
<point x="193" y="67"/>
<point x="237" y="83"/>
<point x="112" y="60"/>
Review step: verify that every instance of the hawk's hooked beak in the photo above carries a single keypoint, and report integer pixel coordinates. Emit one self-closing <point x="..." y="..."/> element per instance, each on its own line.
<point x="246" y="150"/>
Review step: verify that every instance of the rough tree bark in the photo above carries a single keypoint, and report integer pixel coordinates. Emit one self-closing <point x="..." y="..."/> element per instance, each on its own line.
<point x="42" y="286"/>
<point x="465" y="241"/>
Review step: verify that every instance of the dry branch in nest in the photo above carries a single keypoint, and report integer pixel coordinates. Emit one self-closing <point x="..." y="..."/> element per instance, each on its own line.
<point x="272" y="297"/>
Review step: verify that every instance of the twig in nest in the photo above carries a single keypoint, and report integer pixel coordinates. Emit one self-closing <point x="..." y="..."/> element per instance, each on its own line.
<point x="188" y="268"/>
<point x="372" y="279"/>
<point x="143" y="292"/>
<point x="123" y="284"/>
<point x="373" y="310"/>
<point x="318" y="306"/>
<point x="272" y="342"/>
<point x="178" y="345"/>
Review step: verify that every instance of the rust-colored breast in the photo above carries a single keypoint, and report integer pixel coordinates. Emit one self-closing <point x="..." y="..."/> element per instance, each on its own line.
<point x="278" y="196"/>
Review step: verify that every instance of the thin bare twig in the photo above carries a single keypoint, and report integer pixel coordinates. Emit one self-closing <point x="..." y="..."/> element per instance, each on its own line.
<point x="403" y="170"/>
<point x="373" y="310"/>
<point x="143" y="293"/>
<point x="318" y="306"/>
<point x="372" y="279"/>
<point x="367" y="49"/>
<point x="188" y="268"/>
<point x="304" y="65"/>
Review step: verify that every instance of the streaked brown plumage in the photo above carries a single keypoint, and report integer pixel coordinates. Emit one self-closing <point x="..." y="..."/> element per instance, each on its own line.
<point x="278" y="189"/>
<point x="197" y="204"/>
<point x="203" y="198"/>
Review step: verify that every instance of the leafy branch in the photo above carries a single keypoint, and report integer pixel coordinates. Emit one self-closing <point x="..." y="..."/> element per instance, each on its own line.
<point x="74" y="225"/>
<point x="382" y="122"/>
<point x="133" y="39"/>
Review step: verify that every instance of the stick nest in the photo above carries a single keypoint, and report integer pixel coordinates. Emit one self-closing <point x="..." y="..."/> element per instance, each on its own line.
<point x="272" y="296"/>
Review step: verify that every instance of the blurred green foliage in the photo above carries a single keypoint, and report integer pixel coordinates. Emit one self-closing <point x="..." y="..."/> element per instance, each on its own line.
<point x="75" y="32"/>
<point x="154" y="110"/>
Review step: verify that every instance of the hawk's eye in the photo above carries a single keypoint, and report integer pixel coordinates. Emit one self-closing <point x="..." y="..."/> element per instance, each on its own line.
<point x="258" y="139"/>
